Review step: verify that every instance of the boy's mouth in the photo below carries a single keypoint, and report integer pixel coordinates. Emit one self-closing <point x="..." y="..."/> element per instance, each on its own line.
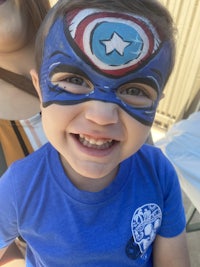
<point x="96" y="143"/>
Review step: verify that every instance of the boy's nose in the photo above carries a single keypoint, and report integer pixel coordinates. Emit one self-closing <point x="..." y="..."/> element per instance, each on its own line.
<point x="102" y="113"/>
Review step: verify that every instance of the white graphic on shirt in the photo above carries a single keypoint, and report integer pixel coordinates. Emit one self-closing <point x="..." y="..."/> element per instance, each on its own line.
<point x="144" y="225"/>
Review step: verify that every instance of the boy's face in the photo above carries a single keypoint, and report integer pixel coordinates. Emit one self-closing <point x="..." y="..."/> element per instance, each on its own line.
<point x="101" y="80"/>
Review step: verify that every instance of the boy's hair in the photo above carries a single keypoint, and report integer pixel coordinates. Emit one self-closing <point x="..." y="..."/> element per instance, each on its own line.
<point x="36" y="11"/>
<point x="151" y="9"/>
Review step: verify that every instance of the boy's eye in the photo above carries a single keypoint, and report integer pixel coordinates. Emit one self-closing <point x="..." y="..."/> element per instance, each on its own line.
<point x="132" y="91"/>
<point x="76" y="80"/>
<point x="137" y="94"/>
<point x="72" y="83"/>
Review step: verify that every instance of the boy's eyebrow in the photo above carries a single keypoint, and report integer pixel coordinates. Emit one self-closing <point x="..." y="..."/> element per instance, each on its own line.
<point x="58" y="52"/>
<point x="148" y="81"/>
<point x="69" y="69"/>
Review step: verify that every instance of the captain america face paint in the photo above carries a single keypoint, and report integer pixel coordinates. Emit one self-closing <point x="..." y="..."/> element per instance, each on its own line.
<point x="92" y="54"/>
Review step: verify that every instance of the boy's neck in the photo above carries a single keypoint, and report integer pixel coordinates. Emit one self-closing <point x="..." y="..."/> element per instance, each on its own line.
<point x="88" y="184"/>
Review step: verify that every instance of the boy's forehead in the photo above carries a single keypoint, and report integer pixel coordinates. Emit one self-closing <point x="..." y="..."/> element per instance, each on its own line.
<point x="117" y="46"/>
<point x="115" y="43"/>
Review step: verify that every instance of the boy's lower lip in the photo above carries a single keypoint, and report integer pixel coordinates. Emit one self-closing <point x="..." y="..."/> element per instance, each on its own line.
<point x="95" y="152"/>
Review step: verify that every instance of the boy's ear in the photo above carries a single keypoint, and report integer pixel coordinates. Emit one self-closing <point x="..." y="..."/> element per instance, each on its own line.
<point x="35" y="80"/>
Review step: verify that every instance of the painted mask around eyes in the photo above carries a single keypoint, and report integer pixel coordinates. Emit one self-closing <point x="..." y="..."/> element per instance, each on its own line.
<point x="109" y="50"/>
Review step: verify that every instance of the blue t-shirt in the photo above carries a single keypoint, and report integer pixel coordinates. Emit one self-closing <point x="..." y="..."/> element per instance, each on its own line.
<point x="64" y="226"/>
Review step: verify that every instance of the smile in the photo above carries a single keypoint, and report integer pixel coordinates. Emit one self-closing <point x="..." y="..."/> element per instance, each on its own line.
<point x="98" y="143"/>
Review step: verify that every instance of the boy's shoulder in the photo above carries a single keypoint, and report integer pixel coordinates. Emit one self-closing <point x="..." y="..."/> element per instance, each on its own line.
<point x="41" y="152"/>
<point x="34" y="159"/>
<point x="147" y="150"/>
<point x="29" y="170"/>
<point x="153" y="156"/>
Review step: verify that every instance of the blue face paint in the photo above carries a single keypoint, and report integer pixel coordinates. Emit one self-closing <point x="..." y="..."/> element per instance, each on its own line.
<point x="110" y="50"/>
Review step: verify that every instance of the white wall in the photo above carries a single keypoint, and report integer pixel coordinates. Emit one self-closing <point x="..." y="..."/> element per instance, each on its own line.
<point x="185" y="80"/>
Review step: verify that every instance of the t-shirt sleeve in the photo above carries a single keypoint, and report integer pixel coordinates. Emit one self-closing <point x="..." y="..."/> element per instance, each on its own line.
<point x="8" y="217"/>
<point x="173" y="218"/>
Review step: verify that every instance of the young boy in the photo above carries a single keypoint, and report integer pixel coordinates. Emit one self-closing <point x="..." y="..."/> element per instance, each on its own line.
<point x="95" y="195"/>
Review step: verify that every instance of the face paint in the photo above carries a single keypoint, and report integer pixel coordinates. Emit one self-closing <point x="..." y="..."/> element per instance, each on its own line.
<point x="109" y="55"/>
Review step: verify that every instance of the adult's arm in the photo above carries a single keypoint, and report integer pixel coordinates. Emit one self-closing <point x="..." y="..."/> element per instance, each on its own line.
<point x="11" y="257"/>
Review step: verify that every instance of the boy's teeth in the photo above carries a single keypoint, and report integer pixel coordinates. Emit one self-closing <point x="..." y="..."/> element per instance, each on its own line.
<point x="92" y="141"/>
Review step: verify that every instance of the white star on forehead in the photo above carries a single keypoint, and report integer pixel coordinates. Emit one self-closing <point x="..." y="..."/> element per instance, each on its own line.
<point x="115" y="43"/>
